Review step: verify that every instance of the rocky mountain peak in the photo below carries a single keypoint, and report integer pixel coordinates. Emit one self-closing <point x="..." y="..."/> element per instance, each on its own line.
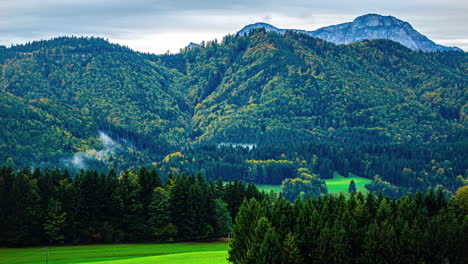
<point x="366" y="27"/>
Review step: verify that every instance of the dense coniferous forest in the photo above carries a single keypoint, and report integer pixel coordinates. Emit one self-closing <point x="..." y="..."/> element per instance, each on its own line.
<point x="360" y="229"/>
<point x="401" y="168"/>
<point x="53" y="207"/>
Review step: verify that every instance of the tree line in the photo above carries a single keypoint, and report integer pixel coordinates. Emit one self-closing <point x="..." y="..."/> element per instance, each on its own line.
<point x="359" y="229"/>
<point x="54" y="207"/>
<point x="403" y="168"/>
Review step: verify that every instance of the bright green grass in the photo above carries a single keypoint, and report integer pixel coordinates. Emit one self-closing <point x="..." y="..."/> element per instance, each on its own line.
<point x="203" y="253"/>
<point x="268" y="187"/>
<point x="339" y="184"/>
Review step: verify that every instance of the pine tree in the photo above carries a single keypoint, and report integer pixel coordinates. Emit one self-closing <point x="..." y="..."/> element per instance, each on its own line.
<point x="271" y="251"/>
<point x="131" y="209"/>
<point x="253" y="253"/>
<point x="159" y="218"/>
<point x="179" y="210"/>
<point x="27" y="210"/>
<point x="197" y="212"/>
<point x="88" y="207"/>
<point x="223" y="218"/>
<point x="242" y="235"/>
<point x="352" y="187"/>
<point x="291" y="250"/>
<point x="148" y="180"/>
<point x="55" y="222"/>
<point x="8" y="208"/>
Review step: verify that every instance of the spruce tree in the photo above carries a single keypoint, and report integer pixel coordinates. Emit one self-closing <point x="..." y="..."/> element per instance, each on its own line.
<point x="352" y="187"/>
<point x="27" y="213"/>
<point x="148" y="180"/>
<point x="271" y="251"/>
<point x="159" y="223"/>
<point x="8" y="208"/>
<point x="179" y="209"/>
<point x="223" y="218"/>
<point x="291" y="250"/>
<point x="55" y="222"/>
<point x="254" y="253"/>
<point x="131" y="209"/>
<point x="242" y="235"/>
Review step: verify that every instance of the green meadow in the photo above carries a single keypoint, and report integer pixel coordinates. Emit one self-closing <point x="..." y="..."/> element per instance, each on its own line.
<point x="339" y="184"/>
<point x="180" y="253"/>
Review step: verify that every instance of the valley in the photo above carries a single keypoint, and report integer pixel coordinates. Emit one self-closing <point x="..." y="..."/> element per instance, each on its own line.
<point x="344" y="144"/>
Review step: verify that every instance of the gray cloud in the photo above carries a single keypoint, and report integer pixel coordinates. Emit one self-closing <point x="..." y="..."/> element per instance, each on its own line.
<point x="155" y="26"/>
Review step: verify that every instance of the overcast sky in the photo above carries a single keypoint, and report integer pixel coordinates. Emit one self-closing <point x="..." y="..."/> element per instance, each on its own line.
<point x="157" y="26"/>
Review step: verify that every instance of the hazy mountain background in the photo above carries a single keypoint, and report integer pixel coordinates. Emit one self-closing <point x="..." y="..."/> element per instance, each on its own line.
<point x="367" y="27"/>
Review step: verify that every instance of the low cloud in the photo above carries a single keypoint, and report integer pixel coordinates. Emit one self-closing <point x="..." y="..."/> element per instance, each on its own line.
<point x="80" y="159"/>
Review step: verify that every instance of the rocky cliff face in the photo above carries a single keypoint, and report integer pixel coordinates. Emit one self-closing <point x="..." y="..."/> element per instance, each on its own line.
<point x="371" y="26"/>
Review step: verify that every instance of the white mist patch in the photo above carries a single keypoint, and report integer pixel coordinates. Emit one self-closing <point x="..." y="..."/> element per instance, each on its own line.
<point x="79" y="159"/>
<point x="248" y="146"/>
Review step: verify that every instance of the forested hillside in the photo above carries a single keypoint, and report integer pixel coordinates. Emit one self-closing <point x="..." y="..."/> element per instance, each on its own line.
<point x="295" y="87"/>
<point x="373" y="108"/>
<point x="112" y="88"/>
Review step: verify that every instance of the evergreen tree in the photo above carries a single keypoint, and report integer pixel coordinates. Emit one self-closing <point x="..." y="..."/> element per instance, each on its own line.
<point x="8" y="208"/>
<point x="131" y="209"/>
<point x="223" y="218"/>
<point x="180" y="211"/>
<point x="352" y="187"/>
<point x="242" y="235"/>
<point x="254" y="253"/>
<point x="148" y="181"/>
<point x="159" y="219"/>
<point x="271" y="251"/>
<point x="197" y="213"/>
<point x="55" y="222"/>
<point x="291" y="250"/>
<point x="27" y="215"/>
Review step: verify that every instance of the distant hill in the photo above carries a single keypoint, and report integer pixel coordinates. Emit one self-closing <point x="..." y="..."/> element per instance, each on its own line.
<point x="367" y="27"/>
<point x="67" y="89"/>
<point x="265" y="88"/>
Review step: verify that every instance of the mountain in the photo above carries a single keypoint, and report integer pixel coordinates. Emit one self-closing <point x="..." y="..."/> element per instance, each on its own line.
<point x="367" y="27"/>
<point x="271" y="88"/>
<point x="60" y="99"/>
<point x="57" y="94"/>
<point x="192" y="45"/>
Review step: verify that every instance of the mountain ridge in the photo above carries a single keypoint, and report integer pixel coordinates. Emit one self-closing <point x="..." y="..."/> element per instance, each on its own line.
<point x="260" y="89"/>
<point x="366" y="27"/>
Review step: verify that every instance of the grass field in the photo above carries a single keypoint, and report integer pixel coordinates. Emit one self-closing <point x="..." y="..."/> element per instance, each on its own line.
<point x="268" y="187"/>
<point x="341" y="184"/>
<point x="335" y="186"/>
<point x="180" y="253"/>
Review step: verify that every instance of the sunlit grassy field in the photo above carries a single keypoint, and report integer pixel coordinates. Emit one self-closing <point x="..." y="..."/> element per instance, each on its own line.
<point x="180" y="253"/>
<point x="341" y="184"/>
<point x="338" y="184"/>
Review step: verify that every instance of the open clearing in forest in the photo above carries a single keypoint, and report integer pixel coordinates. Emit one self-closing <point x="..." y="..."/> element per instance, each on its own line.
<point x="341" y="184"/>
<point x="180" y="253"/>
<point x="335" y="186"/>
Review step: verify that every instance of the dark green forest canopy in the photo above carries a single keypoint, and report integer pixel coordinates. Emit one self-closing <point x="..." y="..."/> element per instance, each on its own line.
<point x="283" y="93"/>
<point x="360" y="229"/>
<point x="53" y="207"/>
